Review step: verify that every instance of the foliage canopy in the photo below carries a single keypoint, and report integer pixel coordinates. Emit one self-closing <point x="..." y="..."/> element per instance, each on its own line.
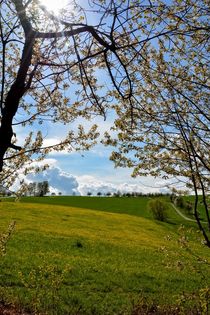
<point x="154" y="58"/>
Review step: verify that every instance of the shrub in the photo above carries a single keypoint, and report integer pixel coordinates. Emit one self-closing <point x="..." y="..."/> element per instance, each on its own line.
<point x="189" y="207"/>
<point x="4" y="238"/>
<point x="158" y="209"/>
<point x="180" y="202"/>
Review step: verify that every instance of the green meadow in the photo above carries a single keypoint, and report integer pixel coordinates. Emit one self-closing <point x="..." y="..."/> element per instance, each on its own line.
<point x="99" y="255"/>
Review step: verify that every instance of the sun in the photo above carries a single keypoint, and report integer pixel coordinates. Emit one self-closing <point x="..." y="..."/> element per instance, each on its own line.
<point x="54" y="5"/>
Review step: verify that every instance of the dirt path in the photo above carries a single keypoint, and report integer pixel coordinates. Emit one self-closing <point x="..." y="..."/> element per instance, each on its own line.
<point x="183" y="216"/>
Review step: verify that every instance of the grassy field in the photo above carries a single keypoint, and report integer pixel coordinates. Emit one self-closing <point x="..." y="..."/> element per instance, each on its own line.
<point x="201" y="208"/>
<point x="132" y="206"/>
<point x="86" y="255"/>
<point x="124" y="205"/>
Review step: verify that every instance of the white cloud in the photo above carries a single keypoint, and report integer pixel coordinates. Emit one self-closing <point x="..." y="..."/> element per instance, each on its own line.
<point x="53" y="142"/>
<point x="59" y="181"/>
<point x="93" y="185"/>
<point x="49" y="161"/>
<point x="68" y="184"/>
<point x="23" y="178"/>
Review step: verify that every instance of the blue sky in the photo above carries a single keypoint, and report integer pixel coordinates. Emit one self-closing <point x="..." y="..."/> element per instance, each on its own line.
<point x="87" y="171"/>
<point x="81" y="172"/>
<point x="73" y="173"/>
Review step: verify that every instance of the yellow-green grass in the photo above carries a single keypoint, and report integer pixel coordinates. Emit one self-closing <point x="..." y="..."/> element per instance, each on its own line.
<point x="132" y="205"/>
<point x="62" y="259"/>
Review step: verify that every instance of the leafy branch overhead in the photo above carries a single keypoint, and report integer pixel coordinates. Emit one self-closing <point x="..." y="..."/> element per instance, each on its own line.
<point x="146" y="62"/>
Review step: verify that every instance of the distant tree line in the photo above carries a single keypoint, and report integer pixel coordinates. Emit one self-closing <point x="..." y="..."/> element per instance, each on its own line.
<point x="54" y="194"/>
<point x="129" y="194"/>
<point x="38" y="189"/>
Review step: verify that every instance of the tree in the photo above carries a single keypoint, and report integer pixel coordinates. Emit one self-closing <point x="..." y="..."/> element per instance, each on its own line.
<point x="39" y="189"/>
<point x="42" y="188"/>
<point x="166" y="132"/>
<point x="2" y="191"/>
<point x="180" y="202"/>
<point x="152" y="54"/>
<point x="31" y="189"/>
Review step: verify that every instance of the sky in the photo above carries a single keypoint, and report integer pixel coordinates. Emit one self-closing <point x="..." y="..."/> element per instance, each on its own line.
<point x="89" y="171"/>
<point x="80" y="173"/>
